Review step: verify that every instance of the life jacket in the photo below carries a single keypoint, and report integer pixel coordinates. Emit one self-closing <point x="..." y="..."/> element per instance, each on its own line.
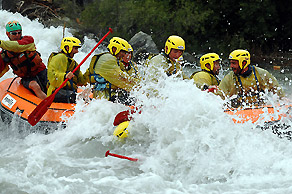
<point x="72" y="85"/>
<point x="248" y="97"/>
<point x="91" y="73"/>
<point x="127" y="67"/>
<point x="212" y="76"/>
<point x="24" y="64"/>
<point x="102" y="88"/>
<point x="101" y="83"/>
<point x="172" y="69"/>
<point x="54" y="54"/>
<point x="151" y="55"/>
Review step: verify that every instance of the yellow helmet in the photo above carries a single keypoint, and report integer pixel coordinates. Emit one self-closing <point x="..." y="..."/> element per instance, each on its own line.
<point x="174" y="42"/>
<point x="120" y="44"/>
<point x="70" y="42"/>
<point x="121" y="130"/>
<point x="208" y="58"/>
<point x="241" y="56"/>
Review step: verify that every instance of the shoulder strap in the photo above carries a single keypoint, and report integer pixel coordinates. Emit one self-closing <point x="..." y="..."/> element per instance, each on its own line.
<point x="94" y="61"/>
<point x="193" y="74"/>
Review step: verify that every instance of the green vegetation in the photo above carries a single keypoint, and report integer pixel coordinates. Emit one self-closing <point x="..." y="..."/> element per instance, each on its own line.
<point x="261" y="26"/>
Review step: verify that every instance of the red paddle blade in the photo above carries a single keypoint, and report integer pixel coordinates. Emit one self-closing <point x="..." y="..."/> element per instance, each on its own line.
<point x="40" y="110"/>
<point x="126" y="115"/>
<point x="121" y="117"/>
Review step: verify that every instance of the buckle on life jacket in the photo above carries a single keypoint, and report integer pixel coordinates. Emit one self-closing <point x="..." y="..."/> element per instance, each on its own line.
<point x="100" y="84"/>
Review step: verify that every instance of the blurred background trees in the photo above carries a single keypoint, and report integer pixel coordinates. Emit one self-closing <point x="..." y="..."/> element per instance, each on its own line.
<point x="261" y="26"/>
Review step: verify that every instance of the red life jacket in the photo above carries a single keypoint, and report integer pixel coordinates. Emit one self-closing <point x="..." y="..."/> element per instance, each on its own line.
<point x="24" y="64"/>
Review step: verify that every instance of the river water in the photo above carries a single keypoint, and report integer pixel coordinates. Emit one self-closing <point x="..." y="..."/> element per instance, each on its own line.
<point x="186" y="144"/>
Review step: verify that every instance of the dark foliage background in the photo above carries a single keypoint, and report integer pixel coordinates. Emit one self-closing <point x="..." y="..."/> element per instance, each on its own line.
<point x="261" y="26"/>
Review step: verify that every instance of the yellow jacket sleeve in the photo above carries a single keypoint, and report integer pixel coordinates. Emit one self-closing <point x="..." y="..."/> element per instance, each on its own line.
<point x="269" y="82"/>
<point x="57" y="67"/>
<point x="159" y="66"/>
<point x="227" y="86"/>
<point x="87" y="77"/>
<point x="81" y="79"/>
<point x="230" y="86"/>
<point x="25" y="44"/>
<point x="202" y="79"/>
<point x="107" y="66"/>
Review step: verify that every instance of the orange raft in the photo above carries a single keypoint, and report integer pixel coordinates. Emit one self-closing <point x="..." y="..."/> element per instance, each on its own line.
<point x="15" y="99"/>
<point x="257" y="113"/>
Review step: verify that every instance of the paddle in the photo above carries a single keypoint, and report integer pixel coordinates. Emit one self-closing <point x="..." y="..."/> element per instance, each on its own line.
<point x="120" y="156"/>
<point x="122" y="117"/>
<point x="42" y="108"/>
<point x="126" y="115"/>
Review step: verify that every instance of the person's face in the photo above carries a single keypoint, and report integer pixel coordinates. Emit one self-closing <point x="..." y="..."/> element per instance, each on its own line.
<point x="127" y="57"/>
<point x="175" y="54"/>
<point x="124" y="55"/>
<point x="234" y="65"/>
<point x="74" y="51"/>
<point x="216" y="67"/>
<point x="14" y="35"/>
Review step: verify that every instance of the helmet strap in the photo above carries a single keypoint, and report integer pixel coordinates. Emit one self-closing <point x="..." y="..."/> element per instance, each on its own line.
<point x="209" y="66"/>
<point x="243" y="64"/>
<point x="208" y="71"/>
<point x="247" y="72"/>
<point x="66" y="49"/>
<point x="114" y="49"/>
<point x="166" y="49"/>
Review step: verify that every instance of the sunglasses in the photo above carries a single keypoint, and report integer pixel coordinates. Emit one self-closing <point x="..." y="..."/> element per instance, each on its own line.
<point x="15" y="33"/>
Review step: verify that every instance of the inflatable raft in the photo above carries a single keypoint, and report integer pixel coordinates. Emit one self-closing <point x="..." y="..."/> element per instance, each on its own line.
<point x="267" y="116"/>
<point x="254" y="114"/>
<point x="17" y="100"/>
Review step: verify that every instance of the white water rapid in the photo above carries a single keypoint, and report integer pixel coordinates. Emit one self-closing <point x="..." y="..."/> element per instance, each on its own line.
<point x="185" y="143"/>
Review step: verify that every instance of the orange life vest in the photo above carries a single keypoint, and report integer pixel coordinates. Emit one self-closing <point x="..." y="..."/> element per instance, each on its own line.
<point x="24" y="64"/>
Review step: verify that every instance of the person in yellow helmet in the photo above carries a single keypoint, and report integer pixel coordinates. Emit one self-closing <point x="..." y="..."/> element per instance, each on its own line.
<point x="19" y="53"/>
<point x="207" y="77"/>
<point x="167" y="61"/>
<point x="246" y="82"/>
<point x="113" y="73"/>
<point x="60" y="67"/>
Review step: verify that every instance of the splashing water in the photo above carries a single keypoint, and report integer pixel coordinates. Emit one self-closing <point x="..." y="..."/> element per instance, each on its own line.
<point x="184" y="141"/>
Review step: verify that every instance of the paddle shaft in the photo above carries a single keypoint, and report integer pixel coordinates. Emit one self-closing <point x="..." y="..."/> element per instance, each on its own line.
<point x="120" y="156"/>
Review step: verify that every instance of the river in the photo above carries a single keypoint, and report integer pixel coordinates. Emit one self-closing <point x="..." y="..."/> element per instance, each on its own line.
<point x="186" y="144"/>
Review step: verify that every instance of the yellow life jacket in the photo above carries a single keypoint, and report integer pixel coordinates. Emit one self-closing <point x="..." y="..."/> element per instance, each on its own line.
<point x="89" y="74"/>
<point x="172" y="67"/>
<point x="252" y="95"/>
<point x="72" y="83"/>
<point x="204" y="79"/>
